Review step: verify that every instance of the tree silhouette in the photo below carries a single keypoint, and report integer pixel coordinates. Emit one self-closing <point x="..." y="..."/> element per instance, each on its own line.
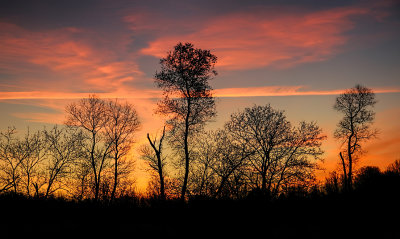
<point x="33" y="146"/>
<point x="11" y="159"/>
<point x="120" y="127"/>
<point x="394" y="167"/>
<point x="188" y="101"/>
<point x="231" y="165"/>
<point x="203" y="176"/>
<point x="63" y="149"/>
<point x="219" y="165"/>
<point x="279" y="154"/>
<point x="90" y="115"/>
<point x="368" y="177"/>
<point x="157" y="163"/>
<point x="108" y="127"/>
<point x="355" y="127"/>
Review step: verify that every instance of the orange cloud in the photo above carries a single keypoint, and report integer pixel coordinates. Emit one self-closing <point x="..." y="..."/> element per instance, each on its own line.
<point x="74" y="57"/>
<point x="264" y="38"/>
<point x="284" y="91"/>
<point x="149" y="93"/>
<point x="121" y="93"/>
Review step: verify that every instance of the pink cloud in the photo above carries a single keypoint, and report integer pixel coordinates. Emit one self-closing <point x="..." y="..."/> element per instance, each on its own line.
<point x="285" y="91"/>
<point x="120" y="93"/>
<point x="262" y="38"/>
<point x="75" y="57"/>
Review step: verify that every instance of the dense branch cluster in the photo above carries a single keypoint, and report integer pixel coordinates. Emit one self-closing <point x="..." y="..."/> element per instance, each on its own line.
<point x="85" y="158"/>
<point x="258" y="150"/>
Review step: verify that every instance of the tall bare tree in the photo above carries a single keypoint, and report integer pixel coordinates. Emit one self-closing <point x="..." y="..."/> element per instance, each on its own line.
<point x="90" y="115"/>
<point x="123" y="122"/>
<point x="188" y="101"/>
<point x="355" y="127"/>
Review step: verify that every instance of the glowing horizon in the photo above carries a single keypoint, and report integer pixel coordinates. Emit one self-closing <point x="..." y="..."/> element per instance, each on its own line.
<point x="153" y="94"/>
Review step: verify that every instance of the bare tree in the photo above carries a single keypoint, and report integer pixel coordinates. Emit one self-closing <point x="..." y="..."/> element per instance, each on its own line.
<point x="188" y="101"/>
<point x="90" y="115"/>
<point x="10" y="164"/>
<point x="295" y="169"/>
<point x="63" y="147"/>
<point x="80" y="179"/>
<point x="20" y="160"/>
<point x="231" y="165"/>
<point x="278" y="154"/>
<point x="120" y="127"/>
<point x="355" y="127"/>
<point x="218" y="168"/>
<point x="262" y="130"/>
<point x="156" y="160"/>
<point x="32" y="145"/>
<point x="205" y="155"/>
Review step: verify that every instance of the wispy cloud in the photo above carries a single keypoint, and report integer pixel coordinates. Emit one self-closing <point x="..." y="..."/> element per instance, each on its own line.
<point x="78" y="95"/>
<point x="66" y="58"/>
<point x="285" y="91"/>
<point x="151" y="94"/>
<point x="262" y="38"/>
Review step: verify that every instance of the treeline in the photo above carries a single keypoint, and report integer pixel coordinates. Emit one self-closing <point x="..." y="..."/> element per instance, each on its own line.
<point x="85" y="158"/>
<point x="258" y="149"/>
<point x="258" y="152"/>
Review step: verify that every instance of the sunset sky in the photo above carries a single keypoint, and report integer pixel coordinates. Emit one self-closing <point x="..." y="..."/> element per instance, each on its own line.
<point x="296" y="55"/>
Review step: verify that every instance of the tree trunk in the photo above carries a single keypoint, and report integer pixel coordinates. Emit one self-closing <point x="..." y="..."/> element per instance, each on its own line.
<point x="264" y="181"/>
<point x="96" y="186"/>
<point x="115" y="178"/>
<point x="186" y="146"/>
<point x="349" y="153"/>
<point x="185" y="180"/>
<point x="48" y="188"/>
<point x="159" y="162"/>
<point x="27" y="184"/>
<point x="160" y="173"/>
<point x="344" y="171"/>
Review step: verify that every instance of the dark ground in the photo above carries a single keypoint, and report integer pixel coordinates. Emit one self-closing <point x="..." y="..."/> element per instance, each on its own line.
<point x="356" y="215"/>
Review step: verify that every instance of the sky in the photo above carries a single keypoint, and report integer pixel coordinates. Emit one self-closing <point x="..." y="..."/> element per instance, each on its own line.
<point x="295" y="55"/>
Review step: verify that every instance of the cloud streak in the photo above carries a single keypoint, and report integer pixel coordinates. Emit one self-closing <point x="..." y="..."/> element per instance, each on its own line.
<point x="285" y="91"/>
<point x="67" y="58"/>
<point x="146" y="94"/>
<point x="263" y="38"/>
<point x="151" y="94"/>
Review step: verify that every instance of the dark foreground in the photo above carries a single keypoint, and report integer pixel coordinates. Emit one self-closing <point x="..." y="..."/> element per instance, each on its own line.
<point x="336" y="216"/>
